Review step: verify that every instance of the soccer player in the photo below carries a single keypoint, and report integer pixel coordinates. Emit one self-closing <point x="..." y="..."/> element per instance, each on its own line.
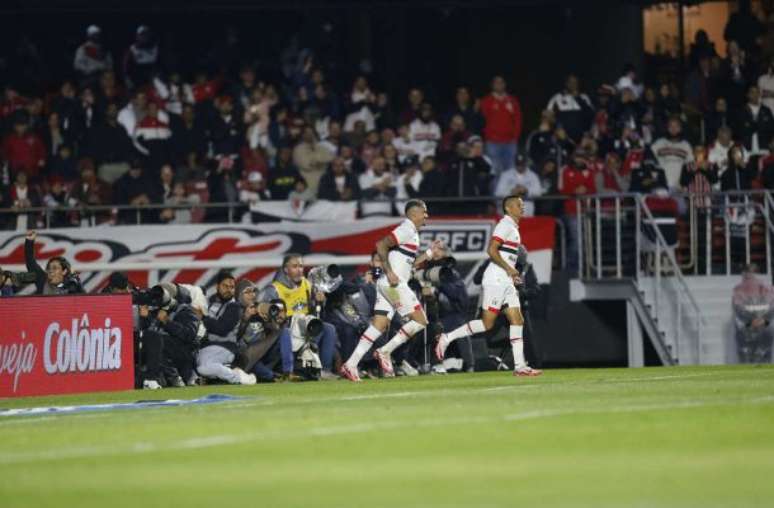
<point x="499" y="287"/>
<point x="398" y="250"/>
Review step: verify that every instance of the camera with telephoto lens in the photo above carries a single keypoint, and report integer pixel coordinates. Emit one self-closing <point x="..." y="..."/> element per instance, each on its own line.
<point x="275" y="309"/>
<point x="18" y="279"/>
<point x="161" y="296"/>
<point x="306" y="327"/>
<point x="436" y="272"/>
<point x="325" y="278"/>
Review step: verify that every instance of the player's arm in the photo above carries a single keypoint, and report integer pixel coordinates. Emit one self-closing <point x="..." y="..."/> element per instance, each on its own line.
<point x="383" y="247"/>
<point x="436" y="247"/>
<point x="494" y="255"/>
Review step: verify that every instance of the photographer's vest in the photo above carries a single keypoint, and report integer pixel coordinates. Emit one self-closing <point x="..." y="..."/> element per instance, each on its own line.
<point x="215" y="311"/>
<point x="296" y="299"/>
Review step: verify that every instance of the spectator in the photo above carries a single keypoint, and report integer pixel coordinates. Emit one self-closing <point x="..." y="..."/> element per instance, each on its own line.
<point x="89" y="190"/>
<point x="338" y="184"/>
<point x="133" y="189"/>
<point x="110" y="146"/>
<point x="502" y="129"/>
<point x="718" y="152"/>
<point x="407" y="184"/>
<point x="56" y="197"/>
<point x="700" y="86"/>
<point x="701" y="47"/>
<point x="226" y="132"/>
<point x="179" y="197"/>
<point x="739" y="174"/>
<point x="53" y="136"/>
<point x="152" y="137"/>
<point x="734" y="76"/>
<point x="376" y="184"/>
<point x="141" y="58"/>
<point x="69" y="108"/>
<point x="433" y="183"/>
<point x="162" y="189"/>
<point x="549" y="182"/>
<point x="743" y="27"/>
<point x="541" y="142"/>
<point x="456" y="133"/>
<point x="469" y="111"/>
<point x="361" y="106"/>
<point x="371" y="147"/>
<point x="698" y="177"/>
<point x="471" y="174"/>
<point x="629" y="81"/>
<point x="626" y="112"/>
<point x="717" y="118"/>
<point x="351" y="161"/>
<point x="405" y="145"/>
<point x="222" y="183"/>
<point x="23" y="149"/>
<point x="254" y="160"/>
<point x="63" y="167"/>
<point x="756" y="124"/>
<point x="648" y="177"/>
<point x="610" y="179"/>
<point x="577" y="180"/>
<point x="573" y="109"/>
<point x="311" y="158"/>
<point x="57" y="279"/>
<point x="520" y="181"/>
<point x="424" y="132"/>
<point x="170" y="93"/>
<point x="284" y="175"/>
<point x="416" y="98"/>
<point x="21" y="195"/>
<point x="252" y="193"/>
<point x="91" y="59"/>
<point x="672" y="152"/>
<point x="766" y="85"/>
<point x="333" y="140"/>
<point x="188" y="135"/>
<point x="131" y="114"/>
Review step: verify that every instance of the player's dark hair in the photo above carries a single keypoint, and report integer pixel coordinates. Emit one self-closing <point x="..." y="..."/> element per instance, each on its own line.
<point x="414" y="203"/>
<point x="508" y="199"/>
<point x="290" y="255"/>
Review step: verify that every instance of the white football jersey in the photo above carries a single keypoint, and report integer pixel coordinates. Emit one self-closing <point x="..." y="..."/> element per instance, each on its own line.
<point x="507" y="233"/>
<point x="403" y="255"/>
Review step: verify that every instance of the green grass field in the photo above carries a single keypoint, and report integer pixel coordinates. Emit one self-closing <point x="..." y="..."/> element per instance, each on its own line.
<point x="698" y="437"/>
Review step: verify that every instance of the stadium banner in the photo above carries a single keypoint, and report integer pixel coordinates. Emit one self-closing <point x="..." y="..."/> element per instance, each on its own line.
<point x="65" y="344"/>
<point x="296" y="210"/>
<point x="156" y="244"/>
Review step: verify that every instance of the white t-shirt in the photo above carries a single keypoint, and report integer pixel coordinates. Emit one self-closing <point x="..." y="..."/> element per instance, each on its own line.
<point x="766" y="84"/>
<point x="403" y="255"/>
<point x="507" y="233"/>
<point x="425" y="136"/>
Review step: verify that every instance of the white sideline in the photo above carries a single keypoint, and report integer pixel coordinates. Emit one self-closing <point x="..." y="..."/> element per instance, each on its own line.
<point x="230" y="439"/>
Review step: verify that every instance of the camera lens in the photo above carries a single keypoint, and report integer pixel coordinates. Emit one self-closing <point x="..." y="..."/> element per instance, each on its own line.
<point x="333" y="271"/>
<point x="314" y="327"/>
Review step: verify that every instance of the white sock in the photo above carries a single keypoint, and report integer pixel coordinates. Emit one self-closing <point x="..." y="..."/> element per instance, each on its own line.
<point x="517" y="344"/>
<point x="366" y="341"/>
<point x="404" y="334"/>
<point x="466" y="330"/>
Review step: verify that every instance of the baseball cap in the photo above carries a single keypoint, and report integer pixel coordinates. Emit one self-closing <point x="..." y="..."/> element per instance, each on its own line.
<point x="93" y="30"/>
<point x="255" y="177"/>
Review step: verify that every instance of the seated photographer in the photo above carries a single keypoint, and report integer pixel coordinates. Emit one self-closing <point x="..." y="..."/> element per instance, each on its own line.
<point x="222" y="322"/>
<point x="11" y="282"/>
<point x="265" y="342"/>
<point x="58" y="277"/>
<point x="169" y="318"/>
<point x="295" y="291"/>
<point x="350" y="307"/>
<point x="447" y="301"/>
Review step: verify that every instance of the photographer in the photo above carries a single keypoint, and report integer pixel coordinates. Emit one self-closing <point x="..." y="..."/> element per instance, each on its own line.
<point x="168" y="318"/>
<point x="148" y="347"/>
<point x="295" y="291"/>
<point x="446" y="300"/>
<point x="264" y="341"/>
<point x="222" y="322"/>
<point x="58" y="277"/>
<point x="7" y="287"/>
<point x="350" y="307"/>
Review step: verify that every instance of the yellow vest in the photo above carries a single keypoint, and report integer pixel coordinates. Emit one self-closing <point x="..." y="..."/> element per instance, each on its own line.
<point x="296" y="299"/>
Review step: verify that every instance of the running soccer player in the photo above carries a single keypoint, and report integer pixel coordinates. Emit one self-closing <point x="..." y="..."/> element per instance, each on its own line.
<point x="499" y="290"/>
<point x="398" y="250"/>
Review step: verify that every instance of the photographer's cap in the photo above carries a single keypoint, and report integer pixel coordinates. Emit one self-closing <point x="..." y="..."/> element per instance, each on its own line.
<point x="93" y="30"/>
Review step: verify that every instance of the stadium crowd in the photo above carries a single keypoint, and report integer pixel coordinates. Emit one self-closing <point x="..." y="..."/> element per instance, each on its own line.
<point x="135" y="131"/>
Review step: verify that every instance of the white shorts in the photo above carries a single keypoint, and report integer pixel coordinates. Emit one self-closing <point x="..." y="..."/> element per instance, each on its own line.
<point x="400" y="299"/>
<point x="497" y="296"/>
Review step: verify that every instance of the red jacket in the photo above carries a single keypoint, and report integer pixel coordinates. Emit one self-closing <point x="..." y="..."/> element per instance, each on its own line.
<point x="503" y="119"/>
<point x="27" y="153"/>
<point x="571" y="179"/>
